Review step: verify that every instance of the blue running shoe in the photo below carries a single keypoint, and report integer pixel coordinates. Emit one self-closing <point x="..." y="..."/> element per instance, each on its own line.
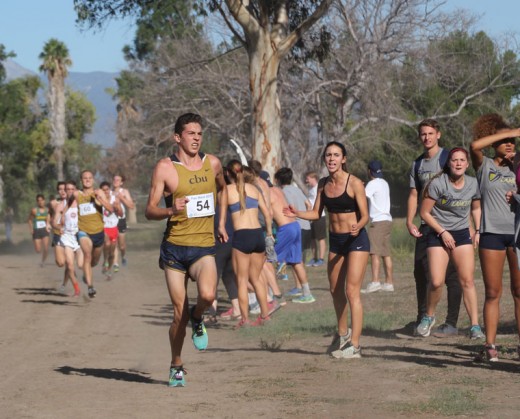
<point x="319" y="262"/>
<point x="311" y="262"/>
<point x="124" y="262"/>
<point x="425" y="326"/>
<point x="295" y="292"/>
<point x="177" y="377"/>
<point x="304" y="299"/>
<point x="198" y="334"/>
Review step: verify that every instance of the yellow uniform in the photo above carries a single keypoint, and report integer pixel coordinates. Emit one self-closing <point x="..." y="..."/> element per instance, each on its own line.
<point x="90" y="218"/>
<point x="194" y="226"/>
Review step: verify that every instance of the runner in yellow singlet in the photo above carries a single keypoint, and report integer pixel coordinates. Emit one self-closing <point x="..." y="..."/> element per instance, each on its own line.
<point x="91" y="234"/>
<point x="39" y="226"/>
<point x="188" y="182"/>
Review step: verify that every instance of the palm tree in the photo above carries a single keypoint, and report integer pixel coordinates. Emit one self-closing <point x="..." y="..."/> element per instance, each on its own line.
<point x="55" y="62"/>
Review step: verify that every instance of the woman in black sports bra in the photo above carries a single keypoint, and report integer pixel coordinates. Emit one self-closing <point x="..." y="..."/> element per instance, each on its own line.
<point x="343" y="195"/>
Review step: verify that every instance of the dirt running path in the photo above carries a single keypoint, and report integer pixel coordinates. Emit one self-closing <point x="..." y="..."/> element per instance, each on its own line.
<point x="108" y="357"/>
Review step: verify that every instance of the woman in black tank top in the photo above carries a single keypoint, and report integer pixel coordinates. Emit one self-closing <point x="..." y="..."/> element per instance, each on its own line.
<point x="343" y="195"/>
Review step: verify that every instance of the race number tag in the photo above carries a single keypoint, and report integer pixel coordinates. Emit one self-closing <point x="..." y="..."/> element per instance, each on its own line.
<point x="41" y="224"/>
<point x="202" y="205"/>
<point x="87" y="209"/>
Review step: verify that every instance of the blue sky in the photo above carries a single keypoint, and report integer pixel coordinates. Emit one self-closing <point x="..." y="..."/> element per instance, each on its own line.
<point x="25" y="26"/>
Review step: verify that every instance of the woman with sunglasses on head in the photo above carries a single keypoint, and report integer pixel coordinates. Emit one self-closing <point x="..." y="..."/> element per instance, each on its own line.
<point x="496" y="178"/>
<point x="450" y="199"/>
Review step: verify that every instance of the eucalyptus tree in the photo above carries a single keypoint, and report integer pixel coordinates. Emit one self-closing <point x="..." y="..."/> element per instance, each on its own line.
<point x="268" y="31"/>
<point x="55" y="63"/>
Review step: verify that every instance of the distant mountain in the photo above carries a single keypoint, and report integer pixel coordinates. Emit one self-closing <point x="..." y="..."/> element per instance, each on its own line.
<point x="93" y="85"/>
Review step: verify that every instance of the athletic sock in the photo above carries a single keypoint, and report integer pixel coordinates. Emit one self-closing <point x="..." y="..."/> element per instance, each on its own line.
<point x="305" y="289"/>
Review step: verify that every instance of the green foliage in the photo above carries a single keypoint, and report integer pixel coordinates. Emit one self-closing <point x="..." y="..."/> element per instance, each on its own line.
<point x="80" y="116"/>
<point x="4" y="56"/>
<point x="55" y="57"/>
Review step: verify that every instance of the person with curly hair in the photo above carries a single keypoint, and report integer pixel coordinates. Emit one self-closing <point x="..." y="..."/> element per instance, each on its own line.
<point x="496" y="178"/>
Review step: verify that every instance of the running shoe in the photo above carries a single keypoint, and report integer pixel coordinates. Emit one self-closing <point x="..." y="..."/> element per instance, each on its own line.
<point x="387" y="287"/>
<point x="283" y="277"/>
<point x="92" y="292"/>
<point x="124" y="262"/>
<point x="260" y="321"/>
<point x="371" y="287"/>
<point x="349" y="352"/>
<point x="281" y="299"/>
<point x="295" y="292"/>
<point x="105" y="267"/>
<point x="445" y="330"/>
<point x="491" y="353"/>
<point x="304" y="299"/>
<point x="242" y="323"/>
<point x="116" y="267"/>
<point x="273" y="306"/>
<point x="62" y="290"/>
<point x="339" y="342"/>
<point x="281" y="267"/>
<point x="311" y="262"/>
<point x="228" y="315"/>
<point x="198" y="334"/>
<point x="318" y="263"/>
<point x="254" y="308"/>
<point x="425" y="326"/>
<point x="177" y="377"/>
<point x="476" y="332"/>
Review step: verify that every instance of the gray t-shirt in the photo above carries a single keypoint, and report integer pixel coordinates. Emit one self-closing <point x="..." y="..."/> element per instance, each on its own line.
<point x="452" y="206"/>
<point x="428" y="168"/>
<point x="296" y="198"/>
<point x="495" y="182"/>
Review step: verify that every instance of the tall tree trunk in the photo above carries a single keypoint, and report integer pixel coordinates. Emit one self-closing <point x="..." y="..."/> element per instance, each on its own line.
<point x="57" y="120"/>
<point x="264" y="63"/>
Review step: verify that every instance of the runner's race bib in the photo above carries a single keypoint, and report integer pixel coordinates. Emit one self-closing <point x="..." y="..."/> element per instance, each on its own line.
<point x="41" y="224"/>
<point x="202" y="205"/>
<point x="87" y="209"/>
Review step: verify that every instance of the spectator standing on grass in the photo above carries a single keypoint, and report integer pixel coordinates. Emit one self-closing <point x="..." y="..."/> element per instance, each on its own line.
<point x="318" y="227"/>
<point x="379" y="232"/>
<point x="450" y="199"/>
<point x="188" y="182"/>
<point x="343" y="195"/>
<point x="248" y="253"/>
<point x="295" y="197"/>
<point x="497" y="242"/>
<point x="288" y="246"/>
<point x="426" y="166"/>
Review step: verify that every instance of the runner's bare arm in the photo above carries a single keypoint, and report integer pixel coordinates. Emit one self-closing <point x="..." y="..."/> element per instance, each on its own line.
<point x="222" y="189"/>
<point x="157" y="190"/>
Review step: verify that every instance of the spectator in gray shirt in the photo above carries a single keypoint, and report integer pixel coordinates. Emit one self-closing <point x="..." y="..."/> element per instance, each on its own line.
<point x="450" y="198"/>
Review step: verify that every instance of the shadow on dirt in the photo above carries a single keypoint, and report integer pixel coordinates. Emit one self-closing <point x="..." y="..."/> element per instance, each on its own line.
<point x="441" y="356"/>
<point x="110" y="374"/>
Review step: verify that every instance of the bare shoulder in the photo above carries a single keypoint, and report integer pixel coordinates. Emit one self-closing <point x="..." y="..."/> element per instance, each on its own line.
<point x="357" y="183"/>
<point x="215" y="163"/>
